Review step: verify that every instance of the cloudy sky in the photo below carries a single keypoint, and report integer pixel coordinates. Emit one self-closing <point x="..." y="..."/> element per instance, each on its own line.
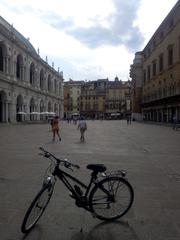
<point x="87" y="39"/>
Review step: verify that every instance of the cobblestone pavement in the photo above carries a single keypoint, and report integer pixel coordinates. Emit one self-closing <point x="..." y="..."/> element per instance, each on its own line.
<point x="150" y="153"/>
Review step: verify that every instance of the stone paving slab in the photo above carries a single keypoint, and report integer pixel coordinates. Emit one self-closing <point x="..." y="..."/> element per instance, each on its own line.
<point x="150" y="153"/>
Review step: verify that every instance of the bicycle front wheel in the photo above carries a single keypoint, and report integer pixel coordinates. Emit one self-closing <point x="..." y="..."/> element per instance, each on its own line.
<point x="37" y="208"/>
<point x="111" y="198"/>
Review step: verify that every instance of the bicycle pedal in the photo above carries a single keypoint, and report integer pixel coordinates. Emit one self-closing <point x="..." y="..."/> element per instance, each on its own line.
<point x="93" y="215"/>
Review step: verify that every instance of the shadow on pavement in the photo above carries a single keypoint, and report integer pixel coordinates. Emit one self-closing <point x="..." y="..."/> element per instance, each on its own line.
<point x="108" y="231"/>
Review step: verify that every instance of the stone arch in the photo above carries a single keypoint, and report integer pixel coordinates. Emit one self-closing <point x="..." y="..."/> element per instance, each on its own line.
<point x="49" y="107"/>
<point x="32" y="74"/>
<point x="32" y="105"/>
<point x="56" y="108"/>
<point x="32" y="108"/>
<point x="19" y="67"/>
<point x="42" y="108"/>
<point x="19" y="108"/>
<point x="3" y="99"/>
<point x="3" y="53"/>
<point x="42" y="80"/>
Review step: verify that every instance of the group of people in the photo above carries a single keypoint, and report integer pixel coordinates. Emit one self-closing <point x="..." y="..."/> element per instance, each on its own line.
<point x="82" y="126"/>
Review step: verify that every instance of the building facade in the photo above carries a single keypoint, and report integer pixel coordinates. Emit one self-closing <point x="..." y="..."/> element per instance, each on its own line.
<point x="72" y="92"/>
<point x="136" y="73"/>
<point x="27" y="83"/>
<point x="97" y="99"/>
<point x="161" y="71"/>
<point x="118" y="98"/>
<point x="92" y="99"/>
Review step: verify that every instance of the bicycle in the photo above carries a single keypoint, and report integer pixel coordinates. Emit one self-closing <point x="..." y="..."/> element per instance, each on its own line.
<point x="108" y="196"/>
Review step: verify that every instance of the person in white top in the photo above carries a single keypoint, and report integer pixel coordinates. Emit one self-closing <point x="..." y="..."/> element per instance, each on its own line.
<point x="82" y="126"/>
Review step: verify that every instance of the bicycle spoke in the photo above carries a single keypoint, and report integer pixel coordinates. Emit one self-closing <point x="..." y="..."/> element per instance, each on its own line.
<point x="112" y="198"/>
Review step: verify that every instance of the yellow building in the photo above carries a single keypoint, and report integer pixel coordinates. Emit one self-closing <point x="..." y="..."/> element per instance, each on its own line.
<point x="72" y="91"/>
<point x="92" y="100"/>
<point x="118" y="98"/>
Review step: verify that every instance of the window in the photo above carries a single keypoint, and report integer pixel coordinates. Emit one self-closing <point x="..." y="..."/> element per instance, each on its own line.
<point x="144" y="76"/>
<point x="32" y="74"/>
<point x="149" y="73"/>
<point x="154" y="67"/>
<point x="161" y="35"/>
<point x="171" y="22"/>
<point x="154" y="43"/>
<point x="170" y="55"/>
<point x="42" y="79"/>
<point x="19" y="67"/>
<point x="161" y="63"/>
<point x="1" y="59"/>
<point x="179" y="47"/>
<point x="49" y="83"/>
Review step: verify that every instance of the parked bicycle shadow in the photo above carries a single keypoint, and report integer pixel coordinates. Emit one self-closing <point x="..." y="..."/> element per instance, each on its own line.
<point x="108" y="231"/>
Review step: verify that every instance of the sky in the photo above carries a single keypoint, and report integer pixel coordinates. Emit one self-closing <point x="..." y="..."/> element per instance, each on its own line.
<point x="87" y="39"/>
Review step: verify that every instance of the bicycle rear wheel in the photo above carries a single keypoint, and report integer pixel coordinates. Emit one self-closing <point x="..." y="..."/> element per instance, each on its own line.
<point x="37" y="208"/>
<point x="111" y="198"/>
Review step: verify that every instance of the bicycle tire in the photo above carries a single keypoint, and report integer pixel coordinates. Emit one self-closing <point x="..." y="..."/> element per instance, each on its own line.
<point x="105" y="208"/>
<point x="27" y="223"/>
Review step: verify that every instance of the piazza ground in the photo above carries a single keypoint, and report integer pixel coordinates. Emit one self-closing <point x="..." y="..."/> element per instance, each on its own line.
<point x="150" y="154"/>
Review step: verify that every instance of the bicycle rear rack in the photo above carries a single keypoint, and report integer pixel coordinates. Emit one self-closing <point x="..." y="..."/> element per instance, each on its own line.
<point x="118" y="173"/>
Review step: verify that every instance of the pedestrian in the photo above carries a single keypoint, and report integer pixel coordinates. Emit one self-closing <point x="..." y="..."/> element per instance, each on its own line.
<point x="127" y="119"/>
<point x="82" y="126"/>
<point x="174" y="122"/>
<point x="51" y="123"/>
<point x="55" y="128"/>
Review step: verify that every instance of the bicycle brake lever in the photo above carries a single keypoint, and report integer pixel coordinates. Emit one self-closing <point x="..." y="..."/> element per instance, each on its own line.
<point x="77" y="166"/>
<point x="70" y="169"/>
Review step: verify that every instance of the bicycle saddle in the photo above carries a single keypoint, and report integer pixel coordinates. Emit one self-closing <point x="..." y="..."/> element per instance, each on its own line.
<point x="97" y="167"/>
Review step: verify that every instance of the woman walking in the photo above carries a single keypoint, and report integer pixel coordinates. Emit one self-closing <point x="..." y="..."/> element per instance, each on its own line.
<point x="55" y="128"/>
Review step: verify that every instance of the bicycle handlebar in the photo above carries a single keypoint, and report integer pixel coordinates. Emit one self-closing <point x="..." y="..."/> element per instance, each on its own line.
<point x="65" y="162"/>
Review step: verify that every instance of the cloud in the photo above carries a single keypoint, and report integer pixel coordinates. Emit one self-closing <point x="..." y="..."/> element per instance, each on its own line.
<point x="109" y="27"/>
<point x="114" y="30"/>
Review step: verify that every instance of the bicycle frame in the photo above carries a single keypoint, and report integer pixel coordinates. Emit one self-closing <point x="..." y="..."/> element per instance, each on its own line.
<point x="63" y="176"/>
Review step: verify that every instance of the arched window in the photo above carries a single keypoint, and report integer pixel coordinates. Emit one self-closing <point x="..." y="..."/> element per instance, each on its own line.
<point x="3" y="99"/>
<point x="49" y="83"/>
<point x="55" y="86"/>
<point x="19" y="67"/>
<point x="32" y="74"/>
<point x="170" y="91"/>
<point x="3" y="53"/>
<point x="42" y="79"/>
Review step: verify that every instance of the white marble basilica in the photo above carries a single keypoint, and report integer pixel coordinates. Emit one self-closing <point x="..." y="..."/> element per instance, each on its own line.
<point x="27" y="83"/>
